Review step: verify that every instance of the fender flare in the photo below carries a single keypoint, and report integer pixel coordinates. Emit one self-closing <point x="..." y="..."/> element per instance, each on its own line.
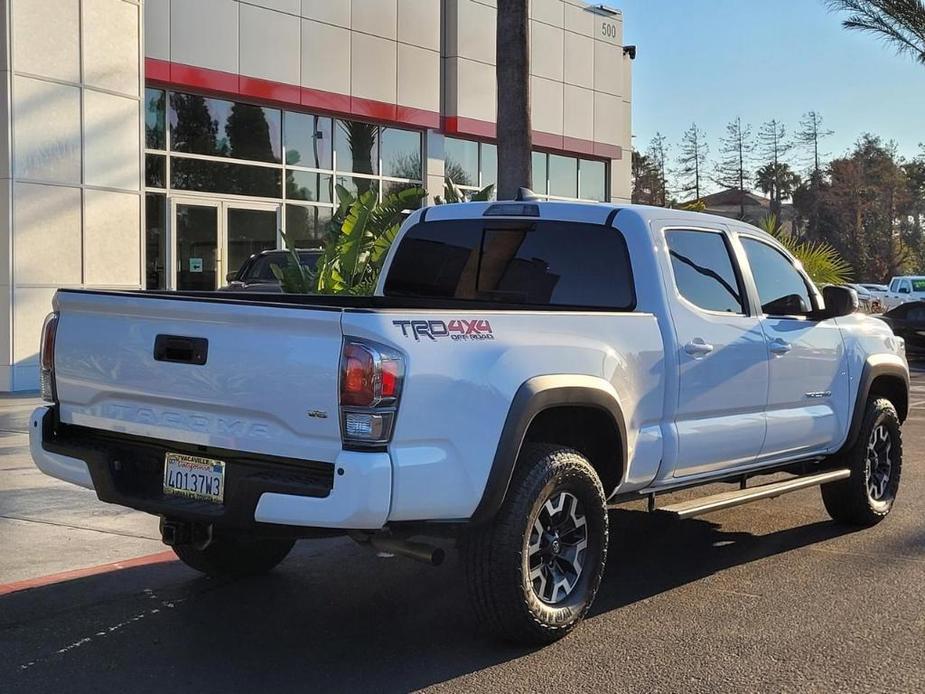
<point x="875" y="366"/>
<point x="533" y="397"/>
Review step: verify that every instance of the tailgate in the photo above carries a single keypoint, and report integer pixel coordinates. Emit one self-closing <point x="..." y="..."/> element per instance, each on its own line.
<point x="266" y="367"/>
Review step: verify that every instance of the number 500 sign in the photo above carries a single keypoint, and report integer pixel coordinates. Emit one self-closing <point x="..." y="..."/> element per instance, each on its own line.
<point x="609" y="31"/>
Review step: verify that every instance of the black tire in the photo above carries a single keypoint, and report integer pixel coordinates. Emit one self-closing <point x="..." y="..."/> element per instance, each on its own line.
<point x="235" y="555"/>
<point x="498" y="555"/>
<point x="860" y="499"/>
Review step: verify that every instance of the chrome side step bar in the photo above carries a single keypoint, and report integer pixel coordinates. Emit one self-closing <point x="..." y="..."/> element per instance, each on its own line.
<point x="718" y="502"/>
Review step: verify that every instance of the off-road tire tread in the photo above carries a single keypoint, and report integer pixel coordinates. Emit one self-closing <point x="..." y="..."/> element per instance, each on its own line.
<point x="495" y="590"/>
<point x="846" y="500"/>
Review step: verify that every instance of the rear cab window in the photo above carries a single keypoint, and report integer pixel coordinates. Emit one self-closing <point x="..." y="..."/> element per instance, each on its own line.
<point x="536" y="263"/>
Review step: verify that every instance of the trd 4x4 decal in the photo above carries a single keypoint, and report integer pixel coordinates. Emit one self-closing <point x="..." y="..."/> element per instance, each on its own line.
<point x="477" y="329"/>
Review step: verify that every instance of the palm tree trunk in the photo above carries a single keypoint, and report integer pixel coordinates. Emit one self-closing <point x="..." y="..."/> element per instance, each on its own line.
<point x="513" y="76"/>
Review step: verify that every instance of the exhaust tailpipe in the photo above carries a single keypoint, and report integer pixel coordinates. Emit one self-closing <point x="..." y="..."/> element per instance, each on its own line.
<point x="412" y="550"/>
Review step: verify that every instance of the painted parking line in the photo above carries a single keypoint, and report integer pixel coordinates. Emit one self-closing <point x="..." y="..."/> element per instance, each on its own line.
<point x="51" y="579"/>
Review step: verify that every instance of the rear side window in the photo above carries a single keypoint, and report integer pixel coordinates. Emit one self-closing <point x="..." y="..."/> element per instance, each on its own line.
<point x="781" y="288"/>
<point x="703" y="270"/>
<point x="543" y="263"/>
<point x="918" y="285"/>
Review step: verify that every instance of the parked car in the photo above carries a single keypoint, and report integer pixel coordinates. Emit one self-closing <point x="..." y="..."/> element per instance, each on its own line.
<point x="908" y="322"/>
<point x="522" y="367"/>
<point x="256" y="275"/>
<point x="869" y="303"/>
<point x="904" y="289"/>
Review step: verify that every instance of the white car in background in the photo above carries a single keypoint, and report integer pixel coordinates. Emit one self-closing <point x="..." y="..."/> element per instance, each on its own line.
<point x="904" y="288"/>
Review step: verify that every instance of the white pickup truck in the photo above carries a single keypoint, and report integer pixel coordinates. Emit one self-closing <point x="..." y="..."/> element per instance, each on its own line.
<point x="522" y="367"/>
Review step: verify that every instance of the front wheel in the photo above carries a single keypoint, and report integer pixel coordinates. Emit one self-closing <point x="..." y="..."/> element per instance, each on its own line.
<point x="875" y="461"/>
<point x="235" y="555"/>
<point x="534" y="570"/>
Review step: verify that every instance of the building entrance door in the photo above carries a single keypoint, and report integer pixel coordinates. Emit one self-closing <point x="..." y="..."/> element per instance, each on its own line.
<point x="212" y="238"/>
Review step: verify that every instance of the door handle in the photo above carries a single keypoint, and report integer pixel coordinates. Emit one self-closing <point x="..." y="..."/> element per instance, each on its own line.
<point x="698" y="348"/>
<point x="779" y="346"/>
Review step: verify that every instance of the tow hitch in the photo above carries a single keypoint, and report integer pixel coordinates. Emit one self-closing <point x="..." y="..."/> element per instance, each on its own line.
<point x="174" y="532"/>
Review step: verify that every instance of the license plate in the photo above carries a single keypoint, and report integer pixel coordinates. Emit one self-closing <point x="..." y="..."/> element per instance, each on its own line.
<point x="194" y="477"/>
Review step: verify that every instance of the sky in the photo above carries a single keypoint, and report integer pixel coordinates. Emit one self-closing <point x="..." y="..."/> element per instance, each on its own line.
<point x="708" y="61"/>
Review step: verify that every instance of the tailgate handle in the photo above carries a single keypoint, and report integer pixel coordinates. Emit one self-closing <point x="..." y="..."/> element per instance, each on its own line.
<point x="181" y="350"/>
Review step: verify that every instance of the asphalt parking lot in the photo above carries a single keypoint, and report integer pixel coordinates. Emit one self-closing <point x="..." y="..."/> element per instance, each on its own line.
<point x="767" y="597"/>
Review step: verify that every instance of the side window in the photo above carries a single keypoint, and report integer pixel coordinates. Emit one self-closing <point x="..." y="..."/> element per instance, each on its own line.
<point x="703" y="270"/>
<point x="781" y="288"/>
<point x="894" y="286"/>
<point x="905" y="287"/>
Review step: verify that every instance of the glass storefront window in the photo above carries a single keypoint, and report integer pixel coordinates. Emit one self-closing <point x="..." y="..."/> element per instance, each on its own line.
<point x="154" y="119"/>
<point x="389" y="187"/>
<point x="489" y="164"/>
<point x="155" y="171"/>
<point x="401" y="153"/>
<point x="539" y="173"/>
<point x="155" y="241"/>
<point x="309" y="186"/>
<point x="563" y="176"/>
<point x="357" y="185"/>
<point x="307" y="226"/>
<point x="221" y="177"/>
<point x="592" y="180"/>
<point x="356" y="146"/>
<point x="462" y="161"/>
<point x="308" y="141"/>
<point x="219" y="128"/>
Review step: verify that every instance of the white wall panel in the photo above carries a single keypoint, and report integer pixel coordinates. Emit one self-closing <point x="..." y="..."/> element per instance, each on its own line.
<point x="335" y="12"/>
<point x="325" y="57"/>
<point x="547" y="51"/>
<point x="373" y="67"/>
<point x="157" y="29"/>
<point x="111" y="141"/>
<point x="111" y="238"/>
<point x="579" y="60"/>
<point x="46" y="131"/>
<point x="270" y="45"/>
<point x="579" y="113"/>
<point x="205" y="33"/>
<point x="376" y="17"/>
<point x="110" y="45"/>
<point x="46" y="234"/>
<point x="608" y="68"/>
<point x="30" y="306"/>
<point x="46" y="38"/>
<point x="287" y="6"/>
<point x="546" y="100"/>
<point x="418" y="78"/>
<point x="419" y="23"/>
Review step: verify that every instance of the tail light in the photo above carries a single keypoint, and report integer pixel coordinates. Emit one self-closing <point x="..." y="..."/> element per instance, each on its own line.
<point x="370" y="386"/>
<point x="47" y="358"/>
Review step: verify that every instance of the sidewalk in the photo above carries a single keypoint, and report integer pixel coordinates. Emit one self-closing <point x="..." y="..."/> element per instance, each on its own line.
<point x="48" y="526"/>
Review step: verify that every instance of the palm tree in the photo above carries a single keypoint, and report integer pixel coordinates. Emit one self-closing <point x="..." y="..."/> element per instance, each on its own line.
<point x="898" y="22"/>
<point x="819" y="259"/>
<point x="778" y="181"/>
<point x="513" y="75"/>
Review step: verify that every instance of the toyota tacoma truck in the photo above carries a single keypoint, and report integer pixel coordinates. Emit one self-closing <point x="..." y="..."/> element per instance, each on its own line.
<point x="522" y="367"/>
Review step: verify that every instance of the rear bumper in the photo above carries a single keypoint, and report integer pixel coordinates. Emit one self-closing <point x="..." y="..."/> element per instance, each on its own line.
<point x="352" y="493"/>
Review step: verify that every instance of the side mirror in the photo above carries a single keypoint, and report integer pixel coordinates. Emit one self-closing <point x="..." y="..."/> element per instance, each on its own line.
<point x="839" y="301"/>
<point x="231" y="276"/>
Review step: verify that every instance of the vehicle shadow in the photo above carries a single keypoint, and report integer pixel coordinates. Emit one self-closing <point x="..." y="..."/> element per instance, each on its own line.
<point x="333" y="617"/>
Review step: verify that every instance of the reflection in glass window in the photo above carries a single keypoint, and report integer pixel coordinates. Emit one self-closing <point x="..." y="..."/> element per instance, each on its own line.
<point x="155" y="241"/>
<point x="592" y="178"/>
<point x="462" y="161"/>
<point x="782" y="290"/>
<point x="307" y="225"/>
<point x="703" y="271"/>
<point x="155" y="171"/>
<point x="357" y="146"/>
<point x="395" y="186"/>
<point x="308" y="141"/>
<point x="539" y="173"/>
<point x="563" y="176"/>
<point x="489" y="165"/>
<point x="357" y="185"/>
<point x="401" y="153"/>
<point x="305" y="185"/>
<point x="154" y="119"/>
<point x="222" y="177"/>
<point x="219" y="128"/>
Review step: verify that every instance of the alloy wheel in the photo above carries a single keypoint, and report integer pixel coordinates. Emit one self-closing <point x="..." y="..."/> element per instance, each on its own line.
<point x="556" y="547"/>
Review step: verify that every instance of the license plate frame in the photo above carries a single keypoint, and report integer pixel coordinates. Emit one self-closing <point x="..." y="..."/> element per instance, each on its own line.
<point x="194" y="477"/>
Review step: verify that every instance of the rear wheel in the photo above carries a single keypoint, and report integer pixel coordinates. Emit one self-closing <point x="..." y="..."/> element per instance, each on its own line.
<point x="875" y="461"/>
<point x="534" y="570"/>
<point x="235" y="555"/>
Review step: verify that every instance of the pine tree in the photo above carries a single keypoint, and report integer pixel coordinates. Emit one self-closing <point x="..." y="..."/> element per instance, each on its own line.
<point x="733" y="169"/>
<point x="692" y="161"/>
<point x="809" y="136"/>
<point x="657" y="154"/>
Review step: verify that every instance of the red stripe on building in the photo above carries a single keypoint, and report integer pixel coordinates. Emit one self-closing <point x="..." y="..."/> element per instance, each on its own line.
<point x="227" y="84"/>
